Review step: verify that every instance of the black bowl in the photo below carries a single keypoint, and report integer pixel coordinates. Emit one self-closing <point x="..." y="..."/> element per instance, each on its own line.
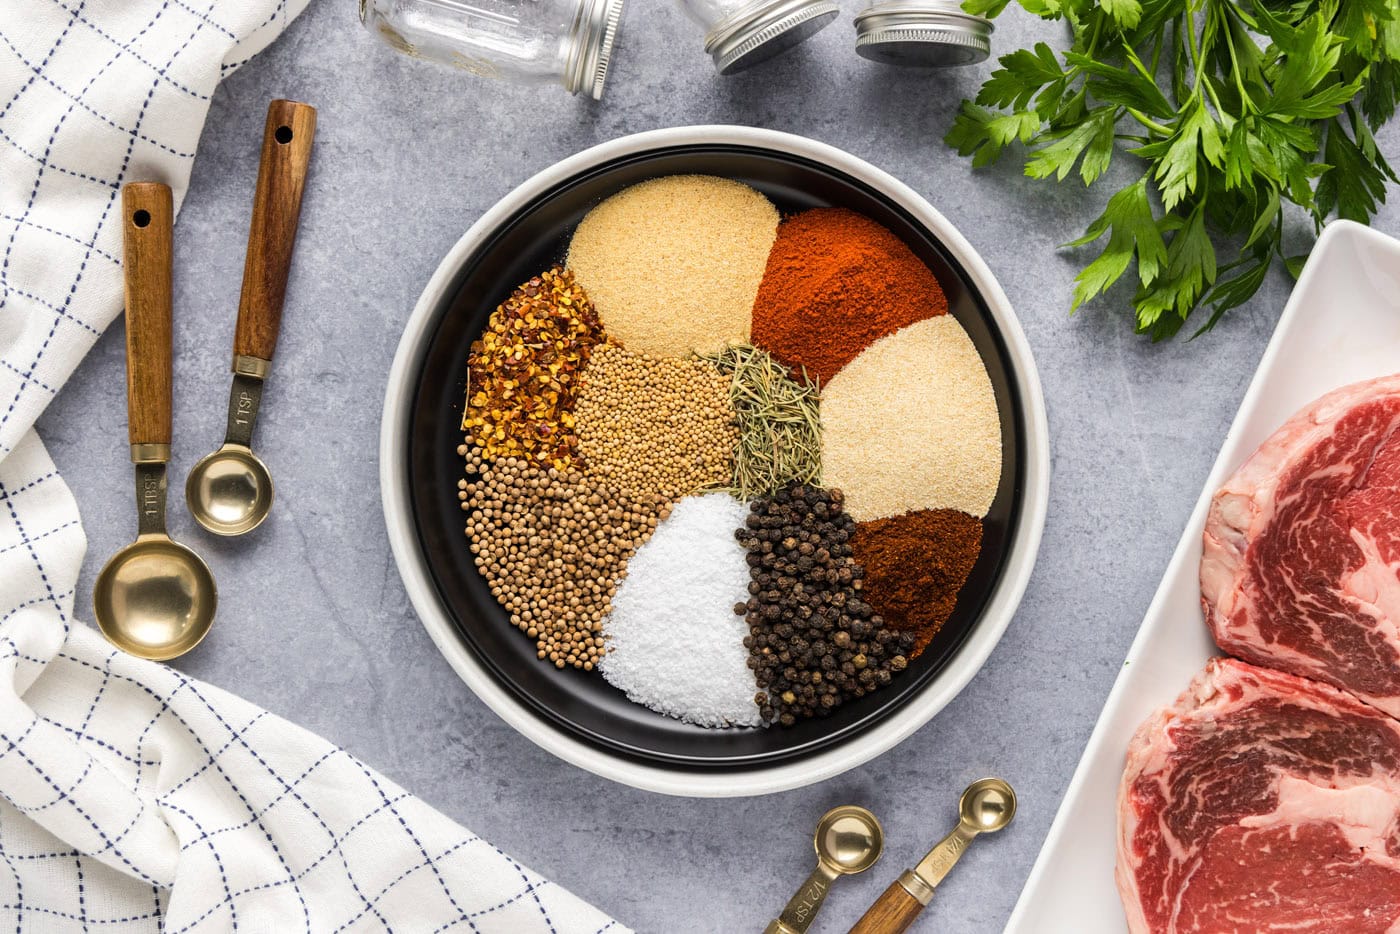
<point x="531" y="239"/>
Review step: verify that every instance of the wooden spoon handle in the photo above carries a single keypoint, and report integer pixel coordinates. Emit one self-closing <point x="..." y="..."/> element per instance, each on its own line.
<point x="286" y="155"/>
<point x="147" y="215"/>
<point x="892" y="913"/>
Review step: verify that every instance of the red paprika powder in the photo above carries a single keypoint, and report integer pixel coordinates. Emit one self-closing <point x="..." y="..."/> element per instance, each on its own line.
<point x="915" y="565"/>
<point x="835" y="283"/>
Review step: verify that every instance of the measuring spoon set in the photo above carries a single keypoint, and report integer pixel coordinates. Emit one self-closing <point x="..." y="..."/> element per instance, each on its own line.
<point x="849" y="840"/>
<point x="156" y="598"/>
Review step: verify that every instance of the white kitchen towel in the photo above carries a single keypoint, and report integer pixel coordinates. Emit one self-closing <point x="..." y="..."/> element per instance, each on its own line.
<point x="133" y="798"/>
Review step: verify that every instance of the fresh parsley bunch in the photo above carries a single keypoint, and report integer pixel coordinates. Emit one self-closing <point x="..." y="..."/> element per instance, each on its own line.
<point x="1234" y="108"/>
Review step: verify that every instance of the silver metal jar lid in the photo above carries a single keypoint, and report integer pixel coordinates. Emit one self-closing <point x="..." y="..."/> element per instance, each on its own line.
<point x="764" y="29"/>
<point x="590" y="45"/>
<point x="922" y="34"/>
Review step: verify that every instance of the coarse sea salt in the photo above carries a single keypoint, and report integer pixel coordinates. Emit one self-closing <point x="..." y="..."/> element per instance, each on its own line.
<point x="674" y="641"/>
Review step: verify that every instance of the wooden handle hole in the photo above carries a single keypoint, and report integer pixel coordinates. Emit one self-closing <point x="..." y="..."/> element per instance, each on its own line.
<point x="141" y="218"/>
<point x="283" y="135"/>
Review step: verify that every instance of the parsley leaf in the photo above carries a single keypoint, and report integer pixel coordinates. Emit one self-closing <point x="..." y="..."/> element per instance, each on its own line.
<point x="1125" y="12"/>
<point x="1021" y="75"/>
<point x="1092" y="139"/>
<point x="1179" y="157"/>
<point x="984" y="134"/>
<point x="1190" y="268"/>
<point x="1132" y="230"/>
<point x="1355" y="180"/>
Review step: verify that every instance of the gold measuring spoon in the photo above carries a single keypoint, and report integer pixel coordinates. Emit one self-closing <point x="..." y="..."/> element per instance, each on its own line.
<point x="986" y="806"/>
<point x="848" y="840"/>
<point x="229" y="492"/>
<point x="155" y="598"/>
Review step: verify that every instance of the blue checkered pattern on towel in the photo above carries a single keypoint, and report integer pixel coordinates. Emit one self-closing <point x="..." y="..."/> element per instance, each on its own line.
<point x="133" y="798"/>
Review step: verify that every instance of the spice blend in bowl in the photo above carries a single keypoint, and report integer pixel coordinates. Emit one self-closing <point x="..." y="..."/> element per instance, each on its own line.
<point x="779" y="422"/>
<point x="748" y="489"/>
<point x="814" y="641"/>
<point x="655" y="426"/>
<point x="835" y="283"/>
<point x="523" y="373"/>
<point x="911" y="423"/>
<point x="552" y="546"/>
<point x="915" y="565"/>
<point x="674" y="645"/>
<point x="674" y="263"/>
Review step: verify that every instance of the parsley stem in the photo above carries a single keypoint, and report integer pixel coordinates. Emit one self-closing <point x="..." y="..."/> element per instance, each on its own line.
<point x="1148" y="122"/>
<point x="1194" y="45"/>
<point x="1094" y="39"/>
<point x="1246" y="104"/>
<point x="1210" y="91"/>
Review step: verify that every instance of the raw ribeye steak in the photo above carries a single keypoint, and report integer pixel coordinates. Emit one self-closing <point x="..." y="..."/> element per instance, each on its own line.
<point x="1301" y="568"/>
<point x="1261" y="802"/>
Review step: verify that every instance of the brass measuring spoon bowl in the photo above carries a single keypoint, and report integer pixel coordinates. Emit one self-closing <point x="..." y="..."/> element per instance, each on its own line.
<point x="986" y="806"/>
<point x="849" y="840"/>
<point x="230" y="491"/>
<point x="155" y="598"/>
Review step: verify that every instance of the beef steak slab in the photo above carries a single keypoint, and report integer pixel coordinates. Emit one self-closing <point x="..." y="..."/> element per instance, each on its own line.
<point x="1301" y="568"/>
<point x="1261" y="802"/>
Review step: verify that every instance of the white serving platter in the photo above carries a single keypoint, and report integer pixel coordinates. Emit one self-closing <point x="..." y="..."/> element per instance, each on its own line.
<point x="1342" y="324"/>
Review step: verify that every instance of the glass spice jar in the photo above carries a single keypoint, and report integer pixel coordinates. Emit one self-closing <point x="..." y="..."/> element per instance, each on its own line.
<point x="922" y="33"/>
<point x="741" y="33"/>
<point x="566" y="42"/>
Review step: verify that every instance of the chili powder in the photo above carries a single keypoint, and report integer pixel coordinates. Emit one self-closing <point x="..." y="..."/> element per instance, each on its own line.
<point x="915" y="565"/>
<point x="835" y="283"/>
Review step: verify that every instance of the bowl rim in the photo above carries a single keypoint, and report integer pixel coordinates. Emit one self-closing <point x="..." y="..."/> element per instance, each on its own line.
<point x="939" y="692"/>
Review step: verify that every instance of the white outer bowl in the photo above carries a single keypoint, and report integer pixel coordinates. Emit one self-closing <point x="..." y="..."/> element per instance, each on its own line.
<point x="891" y="730"/>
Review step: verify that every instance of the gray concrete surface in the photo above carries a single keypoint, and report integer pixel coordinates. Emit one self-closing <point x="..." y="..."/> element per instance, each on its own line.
<point x="314" y="622"/>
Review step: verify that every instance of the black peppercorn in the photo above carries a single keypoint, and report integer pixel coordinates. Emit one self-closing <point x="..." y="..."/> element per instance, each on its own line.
<point x="814" y="641"/>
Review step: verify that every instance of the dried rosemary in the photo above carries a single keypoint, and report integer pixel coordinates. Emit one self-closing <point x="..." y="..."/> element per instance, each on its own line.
<point x="779" y="422"/>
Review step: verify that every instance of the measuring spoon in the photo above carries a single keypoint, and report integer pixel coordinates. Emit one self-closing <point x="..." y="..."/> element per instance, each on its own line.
<point x="229" y="492"/>
<point x="848" y="840"/>
<point x="986" y="806"/>
<point x="155" y="598"/>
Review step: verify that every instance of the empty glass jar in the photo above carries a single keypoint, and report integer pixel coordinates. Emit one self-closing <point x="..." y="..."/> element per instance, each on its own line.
<point x="740" y="33"/>
<point x="566" y="42"/>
